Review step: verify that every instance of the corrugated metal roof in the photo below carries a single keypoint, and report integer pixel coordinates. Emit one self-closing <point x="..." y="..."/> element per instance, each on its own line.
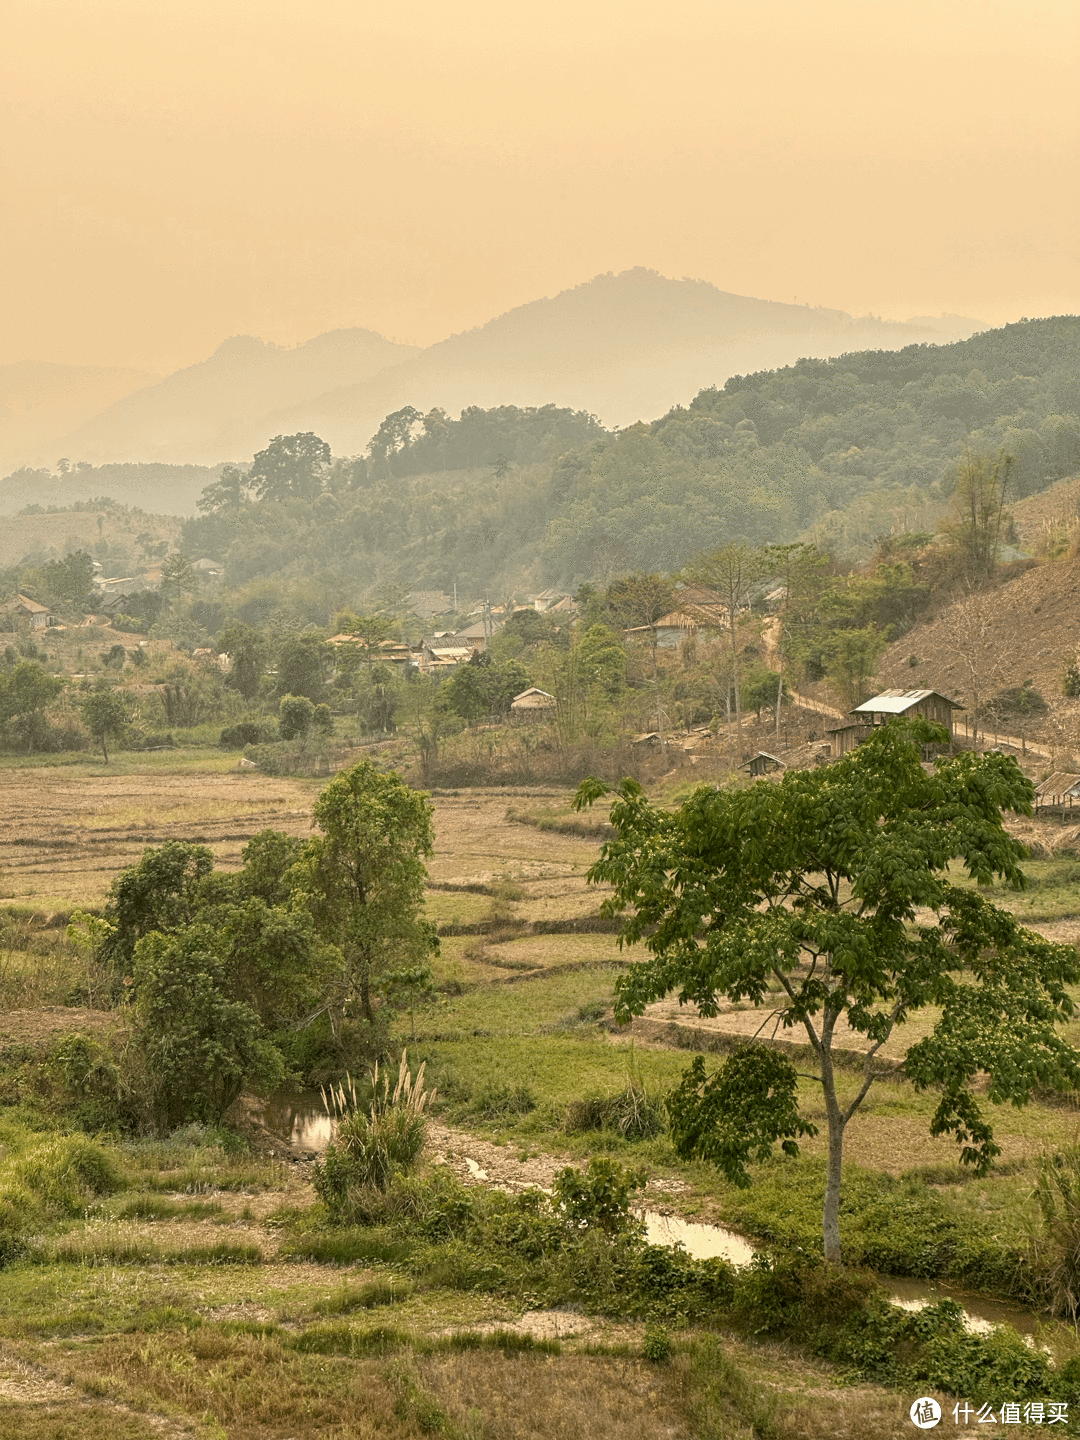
<point x="897" y="702"/>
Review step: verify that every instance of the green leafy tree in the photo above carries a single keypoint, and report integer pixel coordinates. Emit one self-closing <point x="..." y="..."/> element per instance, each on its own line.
<point x="226" y="494"/>
<point x="851" y="657"/>
<point x="393" y="437"/>
<point x="832" y="887"/>
<point x="364" y="880"/>
<point x="291" y="467"/>
<point x="296" y="715"/>
<point x="106" y="713"/>
<point x="162" y="893"/>
<point x="304" y="662"/>
<point x="732" y="571"/>
<point x="178" y="576"/>
<point x="483" y="687"/>
<point x="26" y="692"/>
<point x="268" y="870"/>
<point x="200" y="1045"/>
<point x="248" y="652"/>
<point x="639" y="600"/>
<point x="602" y="661"/>
<point x="276" y="961"/>
<point x="379" y="695"/>
<point x="978" y="512"/>
<point x="69" y="583"/>
<point x="761" y="689"/>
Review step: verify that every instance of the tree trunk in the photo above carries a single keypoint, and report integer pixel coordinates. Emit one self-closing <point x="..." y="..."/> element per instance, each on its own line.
<point x="779" y="701"/>
<point x="104" y="748"/>
<point x="830" y="1217"/>
<point x="735" y="684"/>
<point x="365" y="991"/>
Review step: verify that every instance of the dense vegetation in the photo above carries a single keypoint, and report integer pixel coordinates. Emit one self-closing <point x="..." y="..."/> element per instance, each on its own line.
<point x="847" y="448"/>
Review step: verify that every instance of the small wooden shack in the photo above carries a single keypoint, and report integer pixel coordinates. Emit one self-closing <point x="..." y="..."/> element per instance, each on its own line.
<point x="762" y="763"/>
<point x="533" y="704"/>
<point x="1059" y="793"/>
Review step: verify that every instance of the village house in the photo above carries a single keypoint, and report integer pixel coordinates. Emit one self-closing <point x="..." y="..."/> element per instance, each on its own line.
<point x="440" y="657"/>
<point x="28" y="614"/>
<point x="861" y="722"/>
<point x="550" y="600"/>
<point x="427" y="604"/>
<point x="533" y="704"/>
<point x="385" y="652"/>
<point x="698" y="611"/>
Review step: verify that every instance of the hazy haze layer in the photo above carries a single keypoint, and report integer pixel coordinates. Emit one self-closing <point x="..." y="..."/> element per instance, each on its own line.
<point x="173" y="174"/>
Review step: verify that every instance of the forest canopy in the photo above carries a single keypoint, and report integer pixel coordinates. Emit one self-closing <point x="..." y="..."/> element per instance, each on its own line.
<point x="843" y="450"/>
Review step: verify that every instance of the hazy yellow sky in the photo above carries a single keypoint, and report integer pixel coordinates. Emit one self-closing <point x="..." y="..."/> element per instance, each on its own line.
<point x="176" y="171"/>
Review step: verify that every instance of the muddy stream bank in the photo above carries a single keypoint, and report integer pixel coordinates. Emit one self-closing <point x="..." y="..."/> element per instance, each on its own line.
<point x="304" y="1126"/>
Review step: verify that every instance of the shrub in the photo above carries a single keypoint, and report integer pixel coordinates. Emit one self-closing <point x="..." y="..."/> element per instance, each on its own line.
<point x="498" y="1102"/>
<point x="199" y="1045"/>
<point x="296" y="714"/>
<point x="1054" y="1249"/>
<point x="235" y="737"/>
<point x="634" y="1112"/>
<point x="55" y="1179"/>
<point x="657" y="1344"/>
<point x="599" y="1197"/>
<point x="95" y="1096"/>
<point x="373" y="1147"/>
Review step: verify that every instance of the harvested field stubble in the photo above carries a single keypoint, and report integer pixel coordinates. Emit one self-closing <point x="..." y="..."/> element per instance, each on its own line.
<point x="67" y="834"/>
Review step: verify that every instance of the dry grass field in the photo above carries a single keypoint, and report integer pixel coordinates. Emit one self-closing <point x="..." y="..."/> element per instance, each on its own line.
<point x="69" y="830"/>
<point x="173" y="1308"/>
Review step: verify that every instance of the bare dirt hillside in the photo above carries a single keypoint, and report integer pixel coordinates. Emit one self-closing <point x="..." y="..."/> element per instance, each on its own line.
<point x="1026" y="631"/>
<point x="1041" y="518"/>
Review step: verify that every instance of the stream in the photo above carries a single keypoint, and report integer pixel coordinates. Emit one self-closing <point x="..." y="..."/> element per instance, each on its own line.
<point x="302" y="1120"/>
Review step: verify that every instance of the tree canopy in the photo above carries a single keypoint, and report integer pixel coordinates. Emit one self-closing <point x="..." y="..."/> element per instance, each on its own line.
<point x="842" y="901"/>
<point x="364" y="882"/>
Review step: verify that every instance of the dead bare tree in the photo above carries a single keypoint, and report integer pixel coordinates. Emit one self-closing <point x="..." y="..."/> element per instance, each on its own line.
<point x="974" y="636"/>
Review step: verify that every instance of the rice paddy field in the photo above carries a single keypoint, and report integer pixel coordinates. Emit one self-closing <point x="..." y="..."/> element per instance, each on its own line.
<point x="175" y="1300"/>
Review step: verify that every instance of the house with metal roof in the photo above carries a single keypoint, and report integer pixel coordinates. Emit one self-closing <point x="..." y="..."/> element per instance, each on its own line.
<point x="929" y="704"/>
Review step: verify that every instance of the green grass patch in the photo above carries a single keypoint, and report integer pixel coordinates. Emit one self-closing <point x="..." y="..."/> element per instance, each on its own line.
<point x="893" y="1226"/>
<point x="390" y="1290"/>
<point x="349" y="1247"/>
<point x="522" y="1008"/>
<point x="92" y="1249"/>
<point x="156" y="1207"/>
<point x="350" y="1340"/>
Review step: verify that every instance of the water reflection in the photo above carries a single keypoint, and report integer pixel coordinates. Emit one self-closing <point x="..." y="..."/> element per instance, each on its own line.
<point x="980" y="1314"/>
<point x="702" y="1241"/>
<point x="300" y="1120"/>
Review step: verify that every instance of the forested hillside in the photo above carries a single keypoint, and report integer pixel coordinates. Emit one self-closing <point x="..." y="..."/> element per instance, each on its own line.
<point x="844" y="450"/>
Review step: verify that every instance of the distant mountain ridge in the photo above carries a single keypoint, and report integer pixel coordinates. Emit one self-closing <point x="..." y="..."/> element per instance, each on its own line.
<point x="210" y="411"/>
<point x="624" y="347"/>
